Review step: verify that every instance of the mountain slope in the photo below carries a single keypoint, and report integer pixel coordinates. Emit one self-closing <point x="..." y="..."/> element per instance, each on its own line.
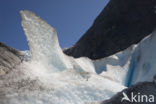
<point x="9" y="58"/>
<point x="120" y="24"/>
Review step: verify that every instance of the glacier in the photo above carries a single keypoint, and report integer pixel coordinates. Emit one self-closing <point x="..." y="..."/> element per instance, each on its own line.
<point x="48" y="76"/>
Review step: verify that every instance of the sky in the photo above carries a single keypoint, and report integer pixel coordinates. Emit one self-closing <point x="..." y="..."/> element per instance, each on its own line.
<point x="70" y="18"/>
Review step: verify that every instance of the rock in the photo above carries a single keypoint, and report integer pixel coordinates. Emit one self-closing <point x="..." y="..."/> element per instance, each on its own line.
<point x="139" y="89"/>
<point x="154" y="79"/>
<point x="120" y="24"/>
<point x="9" y="58"/>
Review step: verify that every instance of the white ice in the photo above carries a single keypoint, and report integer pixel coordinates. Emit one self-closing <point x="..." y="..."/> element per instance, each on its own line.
<point x="48" y="76"/>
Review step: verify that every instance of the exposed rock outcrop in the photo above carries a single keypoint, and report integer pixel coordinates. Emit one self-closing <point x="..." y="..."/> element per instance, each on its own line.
<point x="9" y="58"/>
<point x="139" y="89"/>
<point x="121" y="24"/>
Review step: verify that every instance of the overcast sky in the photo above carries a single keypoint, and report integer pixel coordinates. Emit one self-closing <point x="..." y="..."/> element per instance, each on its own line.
<point x="70" y="18"/>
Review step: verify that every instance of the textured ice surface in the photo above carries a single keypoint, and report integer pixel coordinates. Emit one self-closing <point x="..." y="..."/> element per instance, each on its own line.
<point x="47" y="76"/>
<point x="116" y="67"/>
<point x="135" y="64"/>
<point x="43" y="42"/>
<point x="145" y="59"/>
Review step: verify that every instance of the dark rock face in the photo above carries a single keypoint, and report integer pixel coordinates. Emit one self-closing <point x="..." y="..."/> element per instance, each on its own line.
<point x="144" y="88"/>
<point x="9" y="58"/>
<point x="121" y="24"/>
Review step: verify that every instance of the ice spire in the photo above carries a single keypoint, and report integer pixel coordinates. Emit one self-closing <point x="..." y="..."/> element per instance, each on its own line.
<point x="43" y="41"/>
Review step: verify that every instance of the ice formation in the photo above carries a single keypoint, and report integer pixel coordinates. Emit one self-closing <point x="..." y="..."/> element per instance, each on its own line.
<point x="48" y="76"/>
<point x="144" y="59"/>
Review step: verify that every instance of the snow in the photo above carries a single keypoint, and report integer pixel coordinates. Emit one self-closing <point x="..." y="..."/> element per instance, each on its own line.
<point x="48" y="76"/>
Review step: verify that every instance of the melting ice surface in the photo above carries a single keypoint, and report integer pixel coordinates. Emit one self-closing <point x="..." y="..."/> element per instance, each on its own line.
<point x="48" y="76"/>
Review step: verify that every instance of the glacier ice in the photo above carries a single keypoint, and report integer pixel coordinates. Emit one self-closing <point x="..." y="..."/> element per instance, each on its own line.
<point x="145" y="59"/>
<point x="48" y="76"/>
<point x="43" y="42"/>
<point x="135" y="64"/>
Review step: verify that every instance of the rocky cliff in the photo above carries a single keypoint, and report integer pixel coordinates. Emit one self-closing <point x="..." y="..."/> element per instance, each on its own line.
<point x="120" y="24"/>
<point x="9" y="58"/>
